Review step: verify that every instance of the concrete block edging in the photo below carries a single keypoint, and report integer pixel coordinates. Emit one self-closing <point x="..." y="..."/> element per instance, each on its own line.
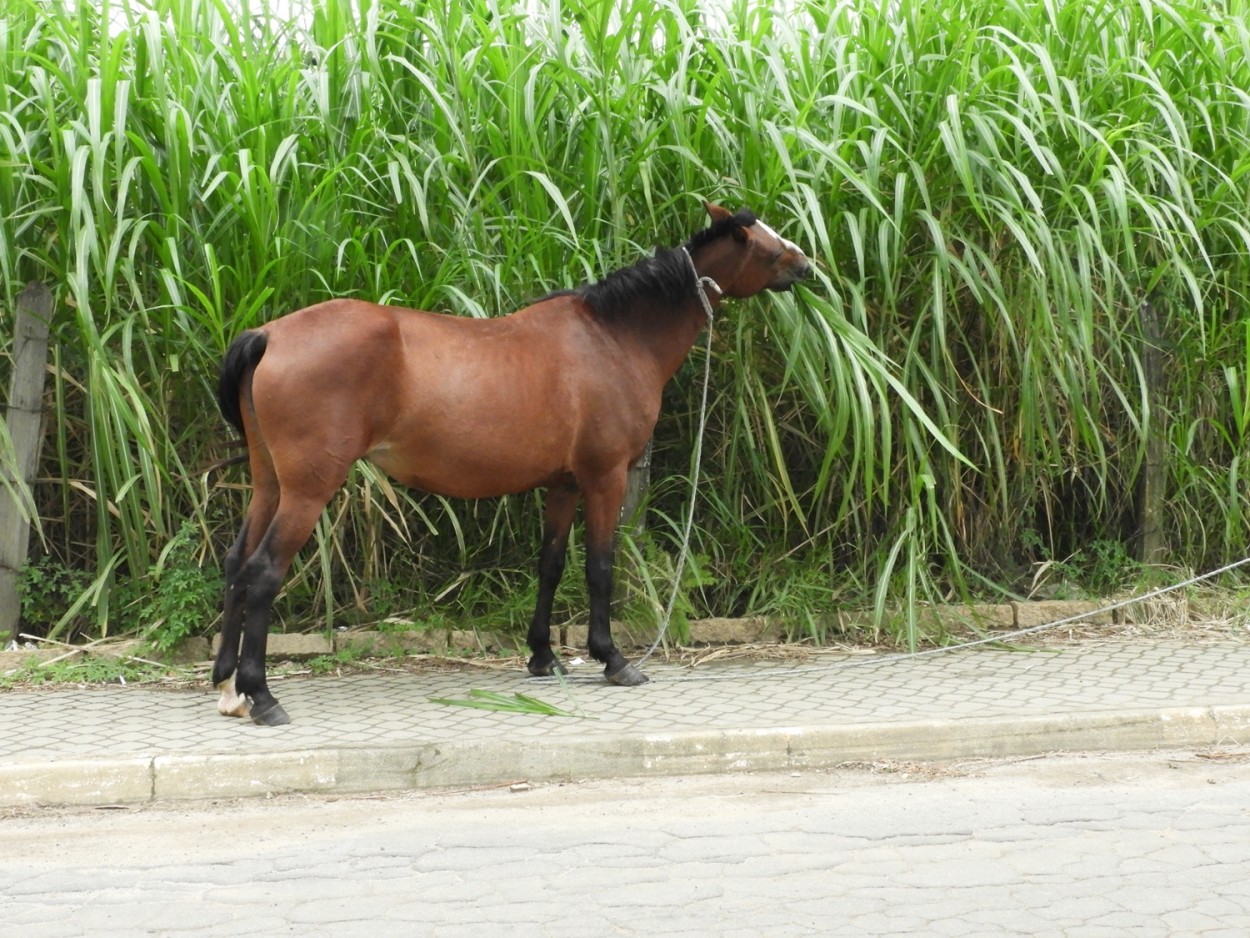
<point x="470" y="763"/>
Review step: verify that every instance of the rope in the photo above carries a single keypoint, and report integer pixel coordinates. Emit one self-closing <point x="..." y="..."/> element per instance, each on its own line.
<point x="859" y="661"/>
<point x="993" y="639"/>
<point x="1058" y="623"/>
<point x="699" y="285"/>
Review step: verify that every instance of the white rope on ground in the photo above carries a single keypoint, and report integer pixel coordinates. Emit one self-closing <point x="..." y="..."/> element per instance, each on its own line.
<point x="860" y="660"/>
<point x="1000" y="639"/>
<point x="1058" y="623"/>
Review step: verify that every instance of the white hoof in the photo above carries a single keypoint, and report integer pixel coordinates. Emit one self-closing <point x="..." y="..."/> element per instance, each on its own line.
<point x="232" y="703"/>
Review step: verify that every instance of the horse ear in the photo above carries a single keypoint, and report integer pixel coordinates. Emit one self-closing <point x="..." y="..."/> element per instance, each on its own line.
<point x="716" y="213"/>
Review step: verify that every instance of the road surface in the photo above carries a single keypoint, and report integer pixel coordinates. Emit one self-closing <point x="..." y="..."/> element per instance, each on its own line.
<point x="1151" y="844"/>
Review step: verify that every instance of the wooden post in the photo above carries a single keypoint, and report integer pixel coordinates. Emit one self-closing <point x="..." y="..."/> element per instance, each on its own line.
<point x="635" y="488"/>
<point x="626" y="580"/>
<point x="25" y="424"/>
<point x="1151" y="544"/>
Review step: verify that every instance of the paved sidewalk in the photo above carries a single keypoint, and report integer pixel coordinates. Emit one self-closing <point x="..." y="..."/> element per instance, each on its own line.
<point x="380" y="732"/>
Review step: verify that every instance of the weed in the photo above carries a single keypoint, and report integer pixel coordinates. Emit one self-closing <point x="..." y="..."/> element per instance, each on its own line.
<point x="84" y="669"/>
<point x="505" y="703"/>
<point x="801" y="595"/>
<point x="646" y="582"/>
<point x="181" y="598"/>
<point x="343" y="658"/>
<point x="48" y="589"/>
<point x="1098" y="569"/>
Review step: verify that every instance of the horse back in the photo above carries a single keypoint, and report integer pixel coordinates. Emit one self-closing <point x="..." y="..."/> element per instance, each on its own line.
<point x="453" y="405"/>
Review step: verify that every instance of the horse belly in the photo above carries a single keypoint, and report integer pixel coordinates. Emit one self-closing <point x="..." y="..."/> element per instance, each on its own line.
<point x="471" y="465"/>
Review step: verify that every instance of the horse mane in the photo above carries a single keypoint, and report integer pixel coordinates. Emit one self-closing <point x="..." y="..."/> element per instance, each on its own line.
<point x="743" y="219"/>
<point x="665" y="276"/>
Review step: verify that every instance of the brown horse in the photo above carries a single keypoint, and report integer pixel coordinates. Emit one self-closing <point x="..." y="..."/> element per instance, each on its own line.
<point x="563" y="394"/>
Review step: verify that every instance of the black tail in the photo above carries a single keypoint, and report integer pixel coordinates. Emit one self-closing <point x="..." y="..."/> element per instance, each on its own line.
<point x="240" y="359"/>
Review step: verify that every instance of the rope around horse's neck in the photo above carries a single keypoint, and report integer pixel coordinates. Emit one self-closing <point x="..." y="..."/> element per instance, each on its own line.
<point x="700" y="284"/>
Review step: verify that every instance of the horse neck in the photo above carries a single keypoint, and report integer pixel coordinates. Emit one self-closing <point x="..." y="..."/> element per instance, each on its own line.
<point x="665" y="336"/>
<point x="665" y="340"/>
<point x="670" y="342"/>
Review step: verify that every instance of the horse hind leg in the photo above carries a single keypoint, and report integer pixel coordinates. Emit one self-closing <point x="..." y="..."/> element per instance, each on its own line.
<point x="259" y="516"/>
<point x="232" y="703"/>
<point x="263" y="573"/>
<point x="238" y="577"/>
<point x="248" y="688"/>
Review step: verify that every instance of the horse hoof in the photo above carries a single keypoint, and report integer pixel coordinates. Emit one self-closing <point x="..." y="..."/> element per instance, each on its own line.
<point x="627" y="676"/>
<point x="549" y="669"/>
<point x="237" y="706"/>
<point x="273" y="715"/>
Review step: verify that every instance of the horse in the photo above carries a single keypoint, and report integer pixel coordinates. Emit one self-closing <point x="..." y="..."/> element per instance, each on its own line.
<point x="562" y="395"/>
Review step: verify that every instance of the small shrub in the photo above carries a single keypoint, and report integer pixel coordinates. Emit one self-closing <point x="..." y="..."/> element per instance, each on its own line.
<point x="183" y="597"/>
<point x="48" y="589"/>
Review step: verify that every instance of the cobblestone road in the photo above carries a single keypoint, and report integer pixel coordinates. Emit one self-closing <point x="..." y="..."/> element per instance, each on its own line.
<point x="1152" y="844"/>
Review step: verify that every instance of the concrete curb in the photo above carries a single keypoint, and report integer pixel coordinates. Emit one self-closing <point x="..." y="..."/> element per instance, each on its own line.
<point x="343" y="770"/>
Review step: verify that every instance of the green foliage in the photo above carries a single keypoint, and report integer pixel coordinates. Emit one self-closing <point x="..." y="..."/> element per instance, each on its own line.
<point x="48" y="589"/>
<point x="990" y="190"/>
<point x="799" y="593"/>
<point x="84" y="669"/>
<point x="506" y="703"/>
<point x="1100" y="569"/>
<point x="184" y="597"/>
<point x="646" y="571"/>
<point x="344" y="657"/>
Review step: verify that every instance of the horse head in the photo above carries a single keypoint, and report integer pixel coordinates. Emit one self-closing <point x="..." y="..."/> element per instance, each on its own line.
<point x="751" y="257"/>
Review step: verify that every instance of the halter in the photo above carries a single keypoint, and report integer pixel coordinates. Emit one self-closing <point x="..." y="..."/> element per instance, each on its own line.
<point x="699" y="283"/>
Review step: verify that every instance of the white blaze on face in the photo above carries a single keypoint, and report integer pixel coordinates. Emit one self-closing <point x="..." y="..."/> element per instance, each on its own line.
<point x="788" y="245"/>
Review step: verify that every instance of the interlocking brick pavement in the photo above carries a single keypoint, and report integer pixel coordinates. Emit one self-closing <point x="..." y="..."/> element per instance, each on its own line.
<point x="382" y="731"/>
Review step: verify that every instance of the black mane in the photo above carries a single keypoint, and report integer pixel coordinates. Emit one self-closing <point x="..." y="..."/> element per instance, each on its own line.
<point x="744" y="219"/>
<point x="666" y="276"/>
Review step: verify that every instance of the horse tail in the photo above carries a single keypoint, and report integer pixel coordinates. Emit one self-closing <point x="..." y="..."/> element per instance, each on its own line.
<point x="240" y="361"/>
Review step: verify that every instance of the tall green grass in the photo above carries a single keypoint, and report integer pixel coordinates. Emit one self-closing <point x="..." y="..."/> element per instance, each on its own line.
<point x="991" y="192"/>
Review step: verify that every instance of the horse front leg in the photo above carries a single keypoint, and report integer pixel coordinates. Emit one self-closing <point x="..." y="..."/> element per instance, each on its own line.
<point x="560" y="507"/>
<point x="603" y="508"/>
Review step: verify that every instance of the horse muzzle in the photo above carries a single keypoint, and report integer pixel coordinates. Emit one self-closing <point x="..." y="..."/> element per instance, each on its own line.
<point x="800" y="270"/>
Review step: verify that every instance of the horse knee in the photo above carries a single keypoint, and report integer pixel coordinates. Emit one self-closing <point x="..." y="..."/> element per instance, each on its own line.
<point x="599" y="567"/>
